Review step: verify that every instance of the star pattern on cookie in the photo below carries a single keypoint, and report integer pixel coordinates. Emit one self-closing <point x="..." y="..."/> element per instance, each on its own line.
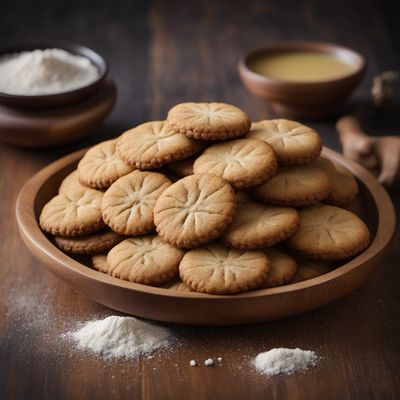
<point x="194" y="210"/>
<point x="101" y="166"/>
<point x="220" y="270"/>
<point x="293" y="143"/>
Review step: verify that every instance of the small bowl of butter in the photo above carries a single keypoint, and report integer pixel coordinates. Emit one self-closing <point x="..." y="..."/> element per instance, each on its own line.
<point x="302" y="79"/>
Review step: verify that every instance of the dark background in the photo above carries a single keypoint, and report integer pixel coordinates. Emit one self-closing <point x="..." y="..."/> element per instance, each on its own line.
<point x="161" y="53"/>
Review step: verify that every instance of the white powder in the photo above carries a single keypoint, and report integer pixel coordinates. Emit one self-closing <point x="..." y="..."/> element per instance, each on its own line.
<point x="115" y="337"/>
<point x="47" y="71"/>
<point x="284" y="361"/>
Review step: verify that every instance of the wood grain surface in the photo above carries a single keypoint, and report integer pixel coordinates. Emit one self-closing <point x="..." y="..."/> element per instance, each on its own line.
<point x="161" y="53"/>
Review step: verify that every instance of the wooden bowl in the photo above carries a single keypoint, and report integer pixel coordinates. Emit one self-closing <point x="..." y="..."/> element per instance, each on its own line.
<point x="303" y="99"/>
<point x="55" y="126"/>
<point x="161" y="304"/>
<point x="57" y="99"/>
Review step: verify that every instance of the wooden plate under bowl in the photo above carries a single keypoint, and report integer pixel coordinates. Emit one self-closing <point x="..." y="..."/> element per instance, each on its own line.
<point x="374" y="206"/>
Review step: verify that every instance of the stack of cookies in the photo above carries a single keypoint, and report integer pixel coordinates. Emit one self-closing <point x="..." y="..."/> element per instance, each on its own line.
<point x="207" y="202"/>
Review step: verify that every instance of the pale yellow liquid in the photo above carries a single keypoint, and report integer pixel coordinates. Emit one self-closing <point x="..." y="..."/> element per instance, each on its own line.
<point x="301" y="66"/>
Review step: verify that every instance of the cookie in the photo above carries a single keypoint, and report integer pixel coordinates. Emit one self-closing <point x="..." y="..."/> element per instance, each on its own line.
<point x="128" y="204"/>
<point x="209" y="121"/>
<point x="182" y="168"/>
<point x="178" y="286"/>
<point x="73" y="213"/>
<point x="344" y="188"/>
<point x="99" y="242"/>
<point x="69" y="182"/>
<point x="101" y="166"/>
<point x="99" y="262"/>
<point x="194" y="210"/>
<point x="329" y="233"/>
<point x="219" y="270"/>
<point x="257" y="225"/>
<point x="293" y="143"/>
<point x="283" y="268"/>
<point x="242" y="162"/>
<point x="308" y="269"/>
<point x="294" y="186"/>
<point x="153" y="144"/>
<point x="144" y="260"/>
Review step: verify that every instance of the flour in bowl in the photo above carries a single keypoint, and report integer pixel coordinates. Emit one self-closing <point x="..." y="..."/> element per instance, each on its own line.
<point x="41" y="72"/>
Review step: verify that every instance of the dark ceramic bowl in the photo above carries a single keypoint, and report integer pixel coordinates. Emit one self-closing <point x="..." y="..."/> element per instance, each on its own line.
<point x="58" y="99"/>
<point x="303" y="99"/>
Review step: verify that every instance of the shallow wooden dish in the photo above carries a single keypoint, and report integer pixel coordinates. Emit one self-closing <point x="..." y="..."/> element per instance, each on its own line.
<point x="160" y="304"/>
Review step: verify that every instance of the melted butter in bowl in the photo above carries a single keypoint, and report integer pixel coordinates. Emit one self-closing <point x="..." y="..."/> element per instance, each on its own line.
<point x="301" y="66"/>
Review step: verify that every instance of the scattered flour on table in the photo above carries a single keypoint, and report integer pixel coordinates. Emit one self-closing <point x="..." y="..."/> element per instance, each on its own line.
<point x="41" y="72"/>
<point x="115" y="337"/>
<point x="284" y="361"/>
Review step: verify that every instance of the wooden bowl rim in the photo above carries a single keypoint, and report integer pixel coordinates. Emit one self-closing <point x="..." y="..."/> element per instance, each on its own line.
<point x="323" y="47"/>
<point x="29" y="227"/>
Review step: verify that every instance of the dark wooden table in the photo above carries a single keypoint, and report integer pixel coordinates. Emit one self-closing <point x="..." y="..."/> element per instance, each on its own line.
<point x="162" y="53"/>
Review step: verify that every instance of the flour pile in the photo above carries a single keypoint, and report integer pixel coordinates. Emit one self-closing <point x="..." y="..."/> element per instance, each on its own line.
<point x="41" y="72"/>
<point x="115" y="337"/>
<point x="284" y="361"/>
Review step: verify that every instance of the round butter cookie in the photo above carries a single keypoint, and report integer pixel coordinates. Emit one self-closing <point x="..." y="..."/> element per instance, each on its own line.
<point x="308" y="269"/>
<point x="344" y="188"/>
<point x="99" y="242"/>
<point x="144" y="260"/>
<point x="219" y="270"/>
<point x="101" y="166"/>
<point x="243" y="162"/>
<point x="128" y="204"/>
<point x="293" y="143"/>
<point x="153" y="144"/>
<point x="294" y="186"/>
<point x="329" y="233"/>
<point x="194" y="210"/>
<point x="99" y="262"/>
<point x="209" y="121"/>
<point x="73" y="213"/>
<point x="69" y="182"/>
<point x="283" y="268"/>
<point x="257" y="225"/>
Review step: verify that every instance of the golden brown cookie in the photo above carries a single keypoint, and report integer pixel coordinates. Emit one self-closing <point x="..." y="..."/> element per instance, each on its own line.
<point x="344" y="188"/>
<point x="182" y="168"/>
<point x="209" y="121"/>
<point x="101" y="166"/>
<point x="219" y="270"/>
<point x="99" y="262"/>
<point x="308" y="269"/>
<point x="194" y="210"/>
<point x="73" y="213"/>
<point x="294" y="186"/>
<point x="293" y="143"/>
<point x="153" y="144"/>
<point x="256" y="225"/>
<point x="99" y="242"/>
<point x="144" y="260"/>
<point x="243" y="162"/>
<point x="70" y="181"/>
<point x="128" y="204"/>
<point x="329" y="233"/>
<point x="283" y="268"/>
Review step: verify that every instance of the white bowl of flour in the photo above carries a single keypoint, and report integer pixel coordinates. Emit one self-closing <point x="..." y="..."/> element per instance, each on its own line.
<point x="49" y="74"/>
